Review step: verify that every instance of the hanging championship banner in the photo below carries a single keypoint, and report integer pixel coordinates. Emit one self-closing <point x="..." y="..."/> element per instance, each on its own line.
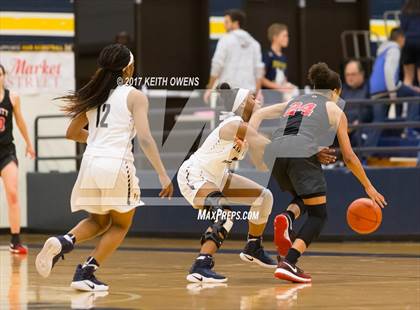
<point x="36" y="72"/>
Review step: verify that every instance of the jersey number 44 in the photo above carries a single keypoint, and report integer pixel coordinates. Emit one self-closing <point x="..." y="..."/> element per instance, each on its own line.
<point x="305" y="109"/>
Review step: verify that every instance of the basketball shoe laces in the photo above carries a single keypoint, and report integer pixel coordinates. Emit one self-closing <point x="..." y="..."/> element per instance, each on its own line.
<point x="88" y="274"/>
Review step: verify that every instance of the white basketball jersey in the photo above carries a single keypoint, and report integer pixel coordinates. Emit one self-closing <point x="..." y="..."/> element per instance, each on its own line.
<point x="111" y="127"/>
<point x="214" y="154"/>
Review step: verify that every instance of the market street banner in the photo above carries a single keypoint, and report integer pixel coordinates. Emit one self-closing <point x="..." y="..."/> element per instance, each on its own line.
<point x="35" y="72"/>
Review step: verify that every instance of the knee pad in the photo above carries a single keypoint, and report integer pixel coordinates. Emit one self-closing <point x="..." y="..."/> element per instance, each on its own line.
<point x="262" y="206"/>
<point x="319" y="211"/>
<point x="222" y="224"/>
<point x="213" y="200"/>
<point x="317" y="216"/>
<point x="301" y="205"/>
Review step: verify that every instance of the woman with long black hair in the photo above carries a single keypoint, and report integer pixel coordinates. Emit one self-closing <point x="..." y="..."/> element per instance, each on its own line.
<point x="9" y="108"/>
<point x="107" y="186"/>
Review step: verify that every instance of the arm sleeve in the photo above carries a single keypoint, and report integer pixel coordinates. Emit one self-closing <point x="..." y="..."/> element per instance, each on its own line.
<point x="219" y="58"/>
<point x="392" y="62"/>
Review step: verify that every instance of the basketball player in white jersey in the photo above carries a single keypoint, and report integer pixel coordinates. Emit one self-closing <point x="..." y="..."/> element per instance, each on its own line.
<point x="107" y="186"/>
<point x="207" y="183"/>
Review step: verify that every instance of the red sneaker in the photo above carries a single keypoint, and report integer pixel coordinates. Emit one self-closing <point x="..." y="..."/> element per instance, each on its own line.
<point x="290" y="272"/>
<point x="18" y="249"/>
<point x="281" y="234"/>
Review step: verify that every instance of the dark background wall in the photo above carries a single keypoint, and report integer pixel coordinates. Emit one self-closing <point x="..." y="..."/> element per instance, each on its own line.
<point x="174" y="38"/>
<point x="168" y="38"/>
<point x="171" y="38"/>
<point x="49" y="209"/>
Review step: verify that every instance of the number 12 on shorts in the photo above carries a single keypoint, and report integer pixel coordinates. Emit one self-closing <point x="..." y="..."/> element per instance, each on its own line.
<point x="102" y="114"/>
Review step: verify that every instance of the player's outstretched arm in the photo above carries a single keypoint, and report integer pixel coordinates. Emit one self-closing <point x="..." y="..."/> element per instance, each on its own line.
<point x="138" y="104"/>
<point x="353" y="162"/>
<point x="76" y="131"/>
<point x="270" y="112"/>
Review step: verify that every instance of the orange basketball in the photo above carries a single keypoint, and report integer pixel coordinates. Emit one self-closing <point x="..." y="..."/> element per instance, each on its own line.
<point x="363" y="216"/>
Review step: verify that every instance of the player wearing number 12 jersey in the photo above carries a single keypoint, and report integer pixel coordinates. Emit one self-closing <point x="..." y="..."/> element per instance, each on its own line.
<point x="107" y="186"/>
<point x="307" y="122"/>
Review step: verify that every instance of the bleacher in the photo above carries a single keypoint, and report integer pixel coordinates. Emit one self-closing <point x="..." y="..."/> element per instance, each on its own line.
<point x="395" y="146"/>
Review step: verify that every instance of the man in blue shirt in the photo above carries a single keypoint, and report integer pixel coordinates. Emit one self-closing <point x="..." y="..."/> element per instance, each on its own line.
<point x="355" y="88"/>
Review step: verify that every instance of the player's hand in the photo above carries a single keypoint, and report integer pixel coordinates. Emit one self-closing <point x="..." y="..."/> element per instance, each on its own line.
<point x="326" y="156"/>
<point x="30" y="152"/>
<point x="206" y="96"/>
<point x="376" y="197"/>
<point x="167" y="187"/>
<point x="239" y="146"/>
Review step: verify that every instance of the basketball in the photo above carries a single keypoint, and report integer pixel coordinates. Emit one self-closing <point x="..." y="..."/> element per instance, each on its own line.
<point x="363" y="216"/>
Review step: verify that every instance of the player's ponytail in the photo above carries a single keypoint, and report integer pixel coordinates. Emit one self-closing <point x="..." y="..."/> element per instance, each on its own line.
<point x="321" y="76"/>
<point x="111" y="62"/>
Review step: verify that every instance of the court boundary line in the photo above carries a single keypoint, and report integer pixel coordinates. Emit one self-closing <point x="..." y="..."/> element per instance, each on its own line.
<point x="238" y="251"/>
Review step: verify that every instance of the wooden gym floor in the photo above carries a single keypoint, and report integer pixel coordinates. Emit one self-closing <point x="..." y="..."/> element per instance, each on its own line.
<point x="150" y="274"/>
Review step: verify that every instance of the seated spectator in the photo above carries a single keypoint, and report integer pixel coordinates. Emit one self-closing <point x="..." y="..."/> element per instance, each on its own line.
<point x="355" y="87"/>
<point x="276" y="65"/>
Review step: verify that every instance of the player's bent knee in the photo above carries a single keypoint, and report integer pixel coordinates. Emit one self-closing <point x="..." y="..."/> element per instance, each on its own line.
<point x="297" y="201"/>
<point x="319" y="211"/>
<point x="262" y="207"/>
<point x="314" y="201"/>
<point x="222" y="224"/>
<point x="317" y="217"/>
<point x="213" y="200"/>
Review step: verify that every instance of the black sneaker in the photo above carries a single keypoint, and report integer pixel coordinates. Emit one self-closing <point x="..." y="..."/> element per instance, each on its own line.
<point x="53" y="249"/>
<point x="290" y="272"/>
<point x="201" y="271"/>
<point x="84" y="280"/>
<point x="254" y="253"/>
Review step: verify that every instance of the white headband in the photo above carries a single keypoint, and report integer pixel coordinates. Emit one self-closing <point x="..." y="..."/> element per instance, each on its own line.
<point x="131" y="60"/>
<point x="240" y="97"/>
